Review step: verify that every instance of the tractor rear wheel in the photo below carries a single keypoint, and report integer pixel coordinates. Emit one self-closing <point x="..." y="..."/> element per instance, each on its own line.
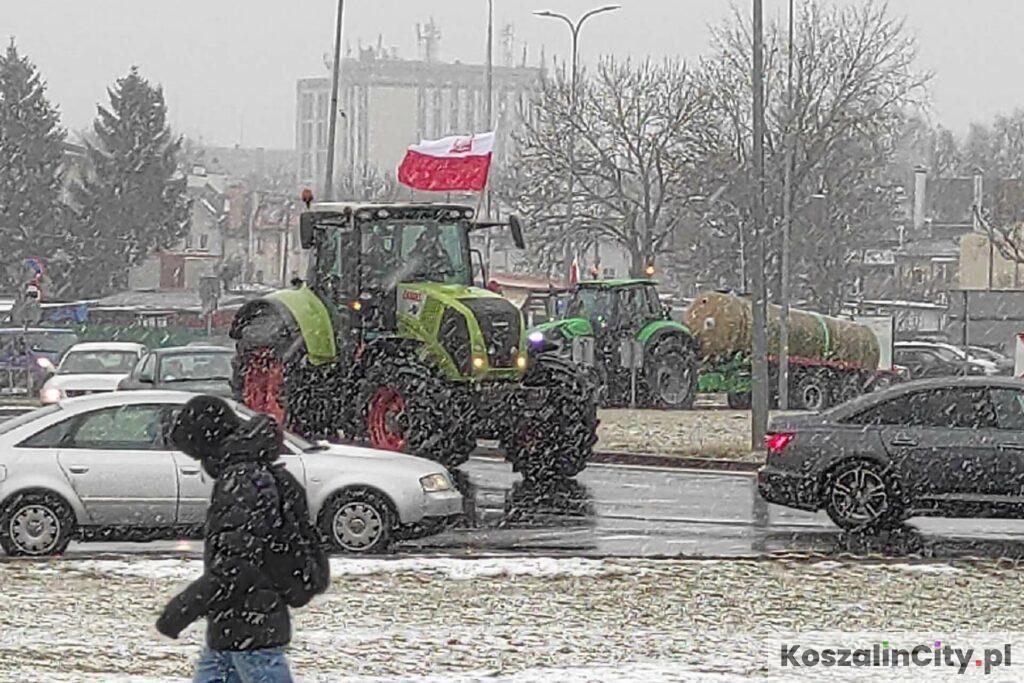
<point x="554" y="421"/>
<point x="407" y="407"/>
<point x="302" y="397"/>
<point x="671" y="373"/>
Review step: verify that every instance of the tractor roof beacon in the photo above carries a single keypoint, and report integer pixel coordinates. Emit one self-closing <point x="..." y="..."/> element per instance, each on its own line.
<point x="388" y="339"/>
<point x="608" y="313"/>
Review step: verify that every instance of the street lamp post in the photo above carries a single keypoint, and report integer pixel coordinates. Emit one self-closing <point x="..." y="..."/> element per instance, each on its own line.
<point x="574" y="27"/>
<point x="787" y="224"/>
<point x="759" y="321"/>
<point x="332" y="125"/>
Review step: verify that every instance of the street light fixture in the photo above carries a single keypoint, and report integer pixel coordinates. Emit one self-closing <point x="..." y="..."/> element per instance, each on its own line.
<point x="574" y="27"/>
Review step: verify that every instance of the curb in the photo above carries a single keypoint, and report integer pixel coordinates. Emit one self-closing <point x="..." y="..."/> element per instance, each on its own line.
<point x="650" y="460"/>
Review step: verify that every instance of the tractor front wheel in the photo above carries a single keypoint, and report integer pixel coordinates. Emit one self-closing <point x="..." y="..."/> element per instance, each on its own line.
<point x="671" y="372"/>
<point x="554" y="421"/>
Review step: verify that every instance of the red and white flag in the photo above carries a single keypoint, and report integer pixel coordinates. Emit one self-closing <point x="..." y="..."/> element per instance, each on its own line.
<point x="452" y="164"/>
<point x="574" y="272"/>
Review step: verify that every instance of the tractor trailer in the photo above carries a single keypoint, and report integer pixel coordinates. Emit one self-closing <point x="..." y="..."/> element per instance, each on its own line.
<point x="831" y="360"/>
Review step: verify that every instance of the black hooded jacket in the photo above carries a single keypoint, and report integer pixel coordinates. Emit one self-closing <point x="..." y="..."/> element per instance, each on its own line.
<point x="242" y="604"/>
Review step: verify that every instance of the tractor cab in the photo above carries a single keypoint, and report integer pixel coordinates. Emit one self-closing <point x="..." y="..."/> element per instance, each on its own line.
<point x="614" y="305"/>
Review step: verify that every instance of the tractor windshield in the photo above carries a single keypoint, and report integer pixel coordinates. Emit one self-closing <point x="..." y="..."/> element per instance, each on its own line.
<point x="591" y="303"/>
<point x="401" y="251"/>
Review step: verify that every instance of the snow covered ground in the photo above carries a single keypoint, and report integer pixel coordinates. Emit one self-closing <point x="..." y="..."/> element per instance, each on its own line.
<point x="505" y="619"/>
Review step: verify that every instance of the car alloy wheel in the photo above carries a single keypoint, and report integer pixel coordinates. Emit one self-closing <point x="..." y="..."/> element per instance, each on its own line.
<point x="357" y="526"/>
<point x="35" y="529"/>
<point x="859" y="495"/>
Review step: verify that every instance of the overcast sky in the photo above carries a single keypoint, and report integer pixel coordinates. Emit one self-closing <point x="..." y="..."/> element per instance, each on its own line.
<point x="229" y="67"/>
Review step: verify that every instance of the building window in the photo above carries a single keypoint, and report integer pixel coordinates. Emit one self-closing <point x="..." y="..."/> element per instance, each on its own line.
<point x="306" y="136"/>
<point x="306" y="106"/>
<point x="321" y="135"/>
<point x="259" y="245"/>
<point x="204" y="241"/>
<point x="323" y="106"/>
<point x="306" y="171"/>
<point x="188" y="241"/>
<point x="259" y="276"/>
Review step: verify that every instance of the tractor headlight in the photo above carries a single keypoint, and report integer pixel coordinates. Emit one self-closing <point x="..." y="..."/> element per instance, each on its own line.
<point x="478" y="362"/>
<point x="521" y="362"/>
<point x="536" y="337"/>
<point x="434" y="483"/>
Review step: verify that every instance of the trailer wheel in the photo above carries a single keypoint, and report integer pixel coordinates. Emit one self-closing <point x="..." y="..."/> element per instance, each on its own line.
<point x="813" y="391"/>
<point x="851" y="386"/>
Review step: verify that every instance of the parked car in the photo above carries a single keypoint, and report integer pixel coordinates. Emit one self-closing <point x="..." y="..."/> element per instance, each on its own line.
<point x="201" y="369"/>
<point x="101" y="466"/>
<point x="941" y="447"/>
<point x="91" y="368"/>
<point x="1004" y="364"/>
<point x="937" y="359"/>
<point x="28" y="356"/>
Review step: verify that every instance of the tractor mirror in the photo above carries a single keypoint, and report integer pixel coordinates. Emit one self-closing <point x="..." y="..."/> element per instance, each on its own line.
<point x="516" y="226"/>
<point x="306" y="230"/>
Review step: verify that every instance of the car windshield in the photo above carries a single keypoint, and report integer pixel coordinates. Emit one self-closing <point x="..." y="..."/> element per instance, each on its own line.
<point x="97" y="363"/>
<point x="197" y="366"/>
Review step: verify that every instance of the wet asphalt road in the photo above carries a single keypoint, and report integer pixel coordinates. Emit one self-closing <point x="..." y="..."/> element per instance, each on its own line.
<point x="629" y="511"/>
<point x="638" y="511"/>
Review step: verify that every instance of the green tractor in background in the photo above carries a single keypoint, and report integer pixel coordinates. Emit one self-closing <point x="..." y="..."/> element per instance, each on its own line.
<point x="388" y="340"/>
<point x="601" y="323"/>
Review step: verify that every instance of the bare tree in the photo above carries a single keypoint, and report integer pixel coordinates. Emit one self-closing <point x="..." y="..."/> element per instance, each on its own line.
<point x="643" y="132"/>
<point x="854" y="84"/>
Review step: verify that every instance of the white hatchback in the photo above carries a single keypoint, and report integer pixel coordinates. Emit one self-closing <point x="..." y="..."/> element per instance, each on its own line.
<point x="90" y="368"/>
<point x="100" y="467"/>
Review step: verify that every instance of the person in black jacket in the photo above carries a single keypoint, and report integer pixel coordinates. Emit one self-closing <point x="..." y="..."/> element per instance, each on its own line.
<point x="254" y="537"/>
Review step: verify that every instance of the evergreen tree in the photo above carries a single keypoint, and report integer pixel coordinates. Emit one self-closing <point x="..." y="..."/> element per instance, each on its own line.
<point x="31" y="161"/>
<point x="133" y="200"/>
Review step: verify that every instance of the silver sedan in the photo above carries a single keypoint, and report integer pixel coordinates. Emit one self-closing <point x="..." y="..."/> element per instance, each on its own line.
<point x="101" y="468"/>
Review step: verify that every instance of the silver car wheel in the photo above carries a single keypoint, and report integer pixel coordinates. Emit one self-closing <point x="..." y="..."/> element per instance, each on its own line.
<point x="357" y="526"/>
<point x="35" y="529"/>
<point x="860" y="495"/>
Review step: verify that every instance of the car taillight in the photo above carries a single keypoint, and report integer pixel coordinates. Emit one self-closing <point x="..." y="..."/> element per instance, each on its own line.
<point x="776" y="443"/>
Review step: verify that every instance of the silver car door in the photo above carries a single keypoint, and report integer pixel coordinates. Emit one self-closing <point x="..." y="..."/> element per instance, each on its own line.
<point x="116" y="461"/>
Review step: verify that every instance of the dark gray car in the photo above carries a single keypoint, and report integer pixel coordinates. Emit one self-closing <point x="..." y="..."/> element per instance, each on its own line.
<point x="949" y="447"/>
<point x="198" y="369"/>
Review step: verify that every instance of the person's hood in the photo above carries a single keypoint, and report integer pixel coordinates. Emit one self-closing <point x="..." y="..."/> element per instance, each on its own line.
<point x="259" y="442"/>
<point x="203" y="426"/>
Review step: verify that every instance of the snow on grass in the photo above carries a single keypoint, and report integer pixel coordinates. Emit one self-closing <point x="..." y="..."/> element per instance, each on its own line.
<point x="452" y="569"/>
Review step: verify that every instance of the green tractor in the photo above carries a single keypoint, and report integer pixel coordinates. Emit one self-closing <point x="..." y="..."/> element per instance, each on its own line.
<point x="603" y="323"/>
<point x="389" y="341"/>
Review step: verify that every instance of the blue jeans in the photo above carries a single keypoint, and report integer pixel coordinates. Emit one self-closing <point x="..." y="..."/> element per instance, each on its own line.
<point x="255" y="666"/>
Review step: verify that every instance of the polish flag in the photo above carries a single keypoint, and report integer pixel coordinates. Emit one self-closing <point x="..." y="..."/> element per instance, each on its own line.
<point x="452" y="164"/>
<point x="574" y="272"/>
